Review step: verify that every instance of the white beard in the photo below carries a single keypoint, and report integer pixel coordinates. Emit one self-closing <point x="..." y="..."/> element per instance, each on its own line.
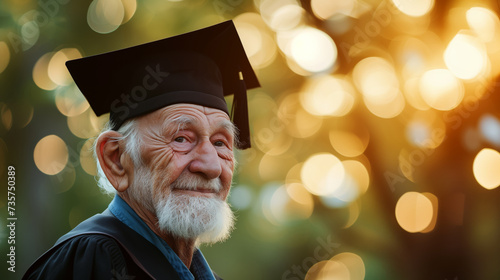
<point x="208" y="220"/>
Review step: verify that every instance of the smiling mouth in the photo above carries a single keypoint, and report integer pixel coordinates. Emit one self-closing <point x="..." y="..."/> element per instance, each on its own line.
<point x="197" y="192"/>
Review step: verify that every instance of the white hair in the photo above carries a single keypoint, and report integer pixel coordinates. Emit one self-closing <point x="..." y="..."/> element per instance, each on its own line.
<point x="133" y="145"/>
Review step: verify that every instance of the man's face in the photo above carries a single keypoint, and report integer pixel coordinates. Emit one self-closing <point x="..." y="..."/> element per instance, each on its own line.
<point x="187" y="155"/>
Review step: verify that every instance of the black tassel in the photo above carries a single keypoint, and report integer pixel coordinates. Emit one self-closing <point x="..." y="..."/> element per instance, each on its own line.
<point x="240" y="115"/>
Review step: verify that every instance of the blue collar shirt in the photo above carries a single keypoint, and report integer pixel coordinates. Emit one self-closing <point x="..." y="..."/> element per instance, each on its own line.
<point x="200" y="270"/>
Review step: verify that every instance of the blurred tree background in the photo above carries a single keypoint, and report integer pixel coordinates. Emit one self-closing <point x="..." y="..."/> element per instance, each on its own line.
<point x="375" y="133"/>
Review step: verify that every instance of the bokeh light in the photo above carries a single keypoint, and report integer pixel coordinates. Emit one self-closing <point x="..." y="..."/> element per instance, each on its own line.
<point x="51" y="154"/>
<point x="30" y="30"/>
<point x="354" y="211"/>
<point x="441" y="89"/>
<point x="489" y="126"/>
<point x="241" y="197"/>
<point x="4" y="56"/>
<point x="322" y="174"/>
<point x="87" y="160"/>
<point x="273" y="143"/>
<point x="259" y="46"/>
<point x="293" y="174"/>
<point x="328" y="96"/>
<point x="412" y="94"/>
<point x="270" y="137"/>
<point x="5" y="116"/>
<point x="414" y="212"/>
<point x="22" y="114"/>
<point x="354" y="264"/>
<point x="313" y="50"/>
<point x="328" y="269"/>
<point x="466" y="56"/>
<point x="57" y="70"/>
<point x="64" y="180"/>
<point x="129" y="6"/>
<point x="483" y="22"/>
<point x="414" y="8"/>
<point x="298" y="193"/>
<point x="96" y="122"/>
<point x="281" y="15"/>
<point x="70" y="101"/>
<point x="41" y="72"/>
<point x="284" y="39"/>
<point x="347" y="143"/>
<point x="376" y="79"/>
<point x="291" y="202"/>
<point x="287" y="17"/>
<point x="485" y="168"/>
<point x="299" y="123"/>
<point x="355" y="182"/>
<point x="265" y="197"/>
<point x="425" y="129"/>
<point x="342" y="196"/>
<point x="273" y="167"/>
<point x="412" y="54"/>
<point x="82" y="126"/>
<point x="434" y="200"/>
<point x="359" y="173"/>
<point x="105" y="16"/>
<point x="325" y="9"/>
<point x="387" y="110"/>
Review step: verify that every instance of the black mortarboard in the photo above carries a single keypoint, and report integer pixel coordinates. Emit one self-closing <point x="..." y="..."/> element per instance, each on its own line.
<point x="199" y="67"/>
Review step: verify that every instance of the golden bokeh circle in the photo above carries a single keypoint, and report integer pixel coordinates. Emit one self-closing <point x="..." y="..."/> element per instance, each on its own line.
<point x="51" y="154"/>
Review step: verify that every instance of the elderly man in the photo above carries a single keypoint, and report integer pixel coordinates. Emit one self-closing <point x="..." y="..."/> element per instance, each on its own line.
<point x="167" y="153"/>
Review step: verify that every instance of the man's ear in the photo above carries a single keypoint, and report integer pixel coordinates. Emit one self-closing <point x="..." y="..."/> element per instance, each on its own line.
<point x="116" y="168"/>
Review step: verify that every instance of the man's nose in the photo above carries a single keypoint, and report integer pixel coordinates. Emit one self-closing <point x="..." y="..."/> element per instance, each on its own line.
<point x="206" y="161"/>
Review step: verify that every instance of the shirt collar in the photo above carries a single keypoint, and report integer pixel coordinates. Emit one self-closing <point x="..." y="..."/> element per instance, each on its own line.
<point x="199" y="267"/>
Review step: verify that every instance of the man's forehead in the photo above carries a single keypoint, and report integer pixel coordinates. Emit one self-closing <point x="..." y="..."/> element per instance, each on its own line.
<point x="190" y="120"/>
<point x="192" y="111"/>
<point x="190" y="114"/>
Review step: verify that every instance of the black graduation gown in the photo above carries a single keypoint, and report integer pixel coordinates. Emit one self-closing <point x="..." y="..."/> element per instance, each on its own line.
<point x="102" y="247"/>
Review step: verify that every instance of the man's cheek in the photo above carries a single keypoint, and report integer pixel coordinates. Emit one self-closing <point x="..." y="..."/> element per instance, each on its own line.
<point x="227" y="155"/>
<point x="226" y="187"/>
<point x="159" y="159"/>
<point x="161" y="186"/>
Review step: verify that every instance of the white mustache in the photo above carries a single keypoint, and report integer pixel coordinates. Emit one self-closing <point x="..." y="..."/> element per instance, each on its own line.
<point x="194" y="183"/>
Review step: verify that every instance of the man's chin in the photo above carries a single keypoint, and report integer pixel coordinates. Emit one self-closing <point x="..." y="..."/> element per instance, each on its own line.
<point x="191" y="215"/>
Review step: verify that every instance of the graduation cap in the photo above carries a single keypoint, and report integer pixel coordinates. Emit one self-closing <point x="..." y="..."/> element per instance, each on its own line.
<point x="199" y="67"/>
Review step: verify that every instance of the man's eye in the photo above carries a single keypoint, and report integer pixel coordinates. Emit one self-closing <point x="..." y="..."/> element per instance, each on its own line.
<point x="219" y="143"/>
<point x="180" y="139"/>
